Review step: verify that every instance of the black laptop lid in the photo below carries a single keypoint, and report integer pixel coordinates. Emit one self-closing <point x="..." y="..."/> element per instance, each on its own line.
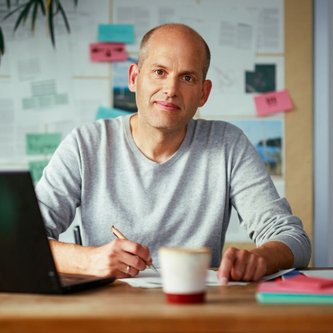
<point x="26" y="262"/>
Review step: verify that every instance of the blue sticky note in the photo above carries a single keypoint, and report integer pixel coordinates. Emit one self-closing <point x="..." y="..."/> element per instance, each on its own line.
<point x="116" y="33"/>
<point x="105" y="113"/>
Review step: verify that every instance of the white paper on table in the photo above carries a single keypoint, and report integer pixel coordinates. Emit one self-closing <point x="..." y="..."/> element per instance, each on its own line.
<point x="319" y="273"/>
<point x="151" y="279"/>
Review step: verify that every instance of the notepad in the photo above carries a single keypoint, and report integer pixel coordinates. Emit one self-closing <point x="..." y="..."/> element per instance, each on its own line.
<point x="297" y="290"/>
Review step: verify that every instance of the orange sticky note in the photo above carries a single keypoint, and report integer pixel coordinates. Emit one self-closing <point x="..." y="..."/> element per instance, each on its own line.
<point x="270" y="103"/>
<point x="106" y="52"/>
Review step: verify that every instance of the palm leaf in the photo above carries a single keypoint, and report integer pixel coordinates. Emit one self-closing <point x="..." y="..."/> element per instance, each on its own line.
<point x="2" y="43"/>
<point x="24" y="14"/>
<point x="42" y="6"/>
<point x="35" y="12"/>
<point x="50" y="16"/>
<point x="14" y="11"/>
<point x="52" y="8"/>
<point x="63" y="14"/>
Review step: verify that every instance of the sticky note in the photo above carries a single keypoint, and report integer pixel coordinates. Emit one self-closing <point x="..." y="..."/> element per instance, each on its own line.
<point x="116" y="33"/>
<point x="106" y="52"/>
<point x="42" y="143"/>
<point x="105" y="112"/>
<point x="270" y="103"/>
<point x="36" y="168"/>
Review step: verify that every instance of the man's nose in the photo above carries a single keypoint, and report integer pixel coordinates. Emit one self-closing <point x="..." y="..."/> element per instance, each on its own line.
<point x="170" y="87"/>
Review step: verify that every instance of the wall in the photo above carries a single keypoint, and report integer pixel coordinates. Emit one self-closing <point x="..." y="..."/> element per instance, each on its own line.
<point x="323" y="140"/>
<point x="89" y="85"/>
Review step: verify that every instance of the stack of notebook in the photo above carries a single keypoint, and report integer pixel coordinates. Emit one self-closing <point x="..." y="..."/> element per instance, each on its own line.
<point x="300" y="289"/>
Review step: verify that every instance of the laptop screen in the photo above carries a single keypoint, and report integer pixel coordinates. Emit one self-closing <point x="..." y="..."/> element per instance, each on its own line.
<point x="25" y="257"/>
<point x="26" y="260"/>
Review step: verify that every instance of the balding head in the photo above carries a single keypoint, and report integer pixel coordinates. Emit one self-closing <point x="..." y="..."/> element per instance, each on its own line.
<point x="182" y="30"/>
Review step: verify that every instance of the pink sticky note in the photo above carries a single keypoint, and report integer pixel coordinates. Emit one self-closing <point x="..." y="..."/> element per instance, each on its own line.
<point x="106" y="52"/>
<point x="278" y="101"/>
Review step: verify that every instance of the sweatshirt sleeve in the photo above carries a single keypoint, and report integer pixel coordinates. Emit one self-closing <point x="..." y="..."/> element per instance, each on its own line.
<point x="58" y="191"/>
<point x="264" y="215"/>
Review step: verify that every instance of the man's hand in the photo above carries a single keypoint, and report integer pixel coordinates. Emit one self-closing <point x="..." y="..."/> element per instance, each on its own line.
<point x="244" y="265"/>
<point x="241" y="265"/>
<point x="120" y="258"/>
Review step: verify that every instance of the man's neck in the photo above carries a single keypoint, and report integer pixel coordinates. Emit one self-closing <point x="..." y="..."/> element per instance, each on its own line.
<point x="157" y="145"/>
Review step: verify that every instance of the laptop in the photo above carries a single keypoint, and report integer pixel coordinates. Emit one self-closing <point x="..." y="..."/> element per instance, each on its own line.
<point x="26" y="262"/>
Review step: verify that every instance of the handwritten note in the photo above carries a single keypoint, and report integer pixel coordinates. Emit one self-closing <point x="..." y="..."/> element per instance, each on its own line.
<point x="42" y="143"/>
<point x="270" y="103"/>
<point x="116" y="33"/>
<point x="107" y="52"/>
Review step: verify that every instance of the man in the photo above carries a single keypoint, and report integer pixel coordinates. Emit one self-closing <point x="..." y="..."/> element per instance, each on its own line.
<point x="165" y="179"/>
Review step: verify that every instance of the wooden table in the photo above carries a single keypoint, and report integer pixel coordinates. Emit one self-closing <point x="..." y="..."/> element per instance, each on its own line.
<point x="121" y="308"/>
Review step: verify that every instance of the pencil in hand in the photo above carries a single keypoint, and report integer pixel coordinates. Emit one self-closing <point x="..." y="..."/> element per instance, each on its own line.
<point x="120" y="235"/>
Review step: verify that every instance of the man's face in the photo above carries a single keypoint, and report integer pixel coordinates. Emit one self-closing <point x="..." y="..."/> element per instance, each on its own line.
<point x="169" y="83"/>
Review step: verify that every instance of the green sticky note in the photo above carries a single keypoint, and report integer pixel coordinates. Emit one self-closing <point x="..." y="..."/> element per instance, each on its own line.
<point x="36" y="168"/>
<point x="105" y="113"/>
<point x="42" y="143"/>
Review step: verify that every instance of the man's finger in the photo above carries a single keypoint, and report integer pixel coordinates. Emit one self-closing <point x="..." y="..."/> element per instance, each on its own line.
<point x="251" y="265"/>
<point x="227" y="263"/>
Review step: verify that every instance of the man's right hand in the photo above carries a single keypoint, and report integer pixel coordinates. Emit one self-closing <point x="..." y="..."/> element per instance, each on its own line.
<point x="120" y="258"/>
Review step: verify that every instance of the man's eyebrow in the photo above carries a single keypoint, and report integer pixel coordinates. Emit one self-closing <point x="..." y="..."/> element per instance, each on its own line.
<point x="158" y="65"/>
<point x="184" y="72"/>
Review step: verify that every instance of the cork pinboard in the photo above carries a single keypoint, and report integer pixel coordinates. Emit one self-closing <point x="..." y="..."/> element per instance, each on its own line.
<point x="299" y="122"/>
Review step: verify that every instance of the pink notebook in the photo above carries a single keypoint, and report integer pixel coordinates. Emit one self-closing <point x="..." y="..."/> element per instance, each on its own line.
<point x="299" y="284"/>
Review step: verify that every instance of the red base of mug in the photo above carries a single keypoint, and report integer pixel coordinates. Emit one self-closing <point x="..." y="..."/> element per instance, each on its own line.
<point x="186" y="298"/>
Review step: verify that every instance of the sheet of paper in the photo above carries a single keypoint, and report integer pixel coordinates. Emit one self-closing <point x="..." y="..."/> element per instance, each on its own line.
<point x="277" y="274"/>
<point x="320" y="273"/>
<point x="151" y="279"/>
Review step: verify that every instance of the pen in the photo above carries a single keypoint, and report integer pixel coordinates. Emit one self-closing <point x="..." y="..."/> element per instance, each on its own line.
<point x="77" y="235"/>
<point x="120" y="235"/>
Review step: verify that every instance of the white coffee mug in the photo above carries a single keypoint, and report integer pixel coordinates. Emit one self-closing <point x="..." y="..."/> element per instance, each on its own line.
<point x="184" y="273"/>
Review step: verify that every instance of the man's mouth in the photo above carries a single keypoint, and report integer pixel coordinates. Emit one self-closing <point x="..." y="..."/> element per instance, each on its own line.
<point x="167" y="105"/>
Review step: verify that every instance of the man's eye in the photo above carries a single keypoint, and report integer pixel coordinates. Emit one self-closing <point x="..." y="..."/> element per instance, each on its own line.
<point x="188" y="78"/>
<point x="159" y="72"/>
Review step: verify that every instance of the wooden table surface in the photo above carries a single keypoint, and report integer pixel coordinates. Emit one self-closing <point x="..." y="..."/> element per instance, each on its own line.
<point x="119" y="308"/>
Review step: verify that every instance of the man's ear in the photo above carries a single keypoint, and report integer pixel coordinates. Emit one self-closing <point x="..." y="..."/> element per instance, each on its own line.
<point x="207" y="87"/>
<point x="133" y="72"/>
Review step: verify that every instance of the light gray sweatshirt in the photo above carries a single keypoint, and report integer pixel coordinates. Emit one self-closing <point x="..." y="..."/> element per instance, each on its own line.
<point x="185" y="201"/>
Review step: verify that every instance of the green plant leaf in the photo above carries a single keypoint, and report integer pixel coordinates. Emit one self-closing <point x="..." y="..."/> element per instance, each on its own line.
<point x="34" y="16"/>
<point x="13" y="12"/>
<point x="63" y="14"/>
<point x="2" y="43"/>
<point x="42" y="6"/>
<point x="24" y="14"/>
<point x="50" y="16"/>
